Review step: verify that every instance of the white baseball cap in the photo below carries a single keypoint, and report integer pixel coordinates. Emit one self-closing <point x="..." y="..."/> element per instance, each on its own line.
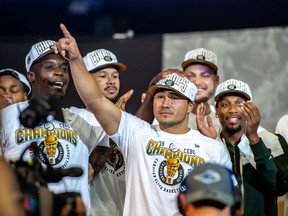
<point x="37" y="51"/>
<point x="200" y="55"/>
<point x="233" y="85"/>
<point x="177" y="83"/>
<point x="17" y="75"/>
<point x="102" y="58"/>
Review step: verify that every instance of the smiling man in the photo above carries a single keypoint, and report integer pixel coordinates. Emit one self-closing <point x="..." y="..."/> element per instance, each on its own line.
<point x="255" y="153"/>
<point x="201" y="67"/>
<point x="155" y="162"/>
<point x="48" y="74"/>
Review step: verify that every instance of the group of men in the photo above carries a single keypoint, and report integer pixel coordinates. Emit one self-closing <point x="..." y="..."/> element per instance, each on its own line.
<point x="139" y="166"/>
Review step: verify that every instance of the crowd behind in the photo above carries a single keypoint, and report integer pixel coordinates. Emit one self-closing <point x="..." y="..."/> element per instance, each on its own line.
<point x="195" y="146"/>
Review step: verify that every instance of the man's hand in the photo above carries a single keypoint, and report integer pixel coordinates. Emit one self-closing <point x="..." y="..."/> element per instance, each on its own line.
<point x="209" y="130"/>
<point x="67" y="45"/>
<point x="121" y="103"/>
<point x="252" y="115"/>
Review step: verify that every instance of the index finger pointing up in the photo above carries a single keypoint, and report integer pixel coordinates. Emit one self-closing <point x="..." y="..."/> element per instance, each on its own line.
<point x="65" y="31"/>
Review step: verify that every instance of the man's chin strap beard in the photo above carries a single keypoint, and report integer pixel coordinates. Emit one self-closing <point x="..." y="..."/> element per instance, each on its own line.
<point x="233" y="130"/>
<point x="201" y="100"/>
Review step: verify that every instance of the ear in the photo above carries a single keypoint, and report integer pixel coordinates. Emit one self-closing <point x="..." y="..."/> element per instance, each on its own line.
<point x="25" y="96"/>
<point x="217" y="112"/>
<point x="217" y="80"/>
<point x="191" y="106"/>
<point x="31" y="76"/>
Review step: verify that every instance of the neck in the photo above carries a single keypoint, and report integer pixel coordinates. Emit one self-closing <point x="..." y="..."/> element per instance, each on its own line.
<point x="231" y="137"/>
<point x="178" y="128"/>
<point x="174" y="130"/>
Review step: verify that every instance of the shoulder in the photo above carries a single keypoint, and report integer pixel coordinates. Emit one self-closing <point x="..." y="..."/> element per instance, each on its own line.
<point x="75" y="110"/>
<point x="13" y="110"/>
<point x="283" y="121"/>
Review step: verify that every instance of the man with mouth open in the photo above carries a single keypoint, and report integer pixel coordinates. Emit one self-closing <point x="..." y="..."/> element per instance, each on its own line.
<point x="48" y="74"/>
<point x="255" y="153"/>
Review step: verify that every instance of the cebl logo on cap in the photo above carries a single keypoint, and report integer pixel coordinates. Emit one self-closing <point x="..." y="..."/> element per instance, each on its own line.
<point x="102" y="58"/>
<point x="177" y="83"/>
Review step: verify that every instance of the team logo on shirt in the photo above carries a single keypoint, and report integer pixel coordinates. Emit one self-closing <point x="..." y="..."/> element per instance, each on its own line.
<point x="54" y="143"/>
<point x="116" y="162"/>
<point x="168" y="166"/>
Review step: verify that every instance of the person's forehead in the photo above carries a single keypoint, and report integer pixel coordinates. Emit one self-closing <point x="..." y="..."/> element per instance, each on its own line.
<point x="167" y="92"/>
<point x="9" y="77"/>
<point x="108" y="70"/>
<point x="199" y="68"/>
<point x="232" y="97"/>
<point x="52" y="57"/>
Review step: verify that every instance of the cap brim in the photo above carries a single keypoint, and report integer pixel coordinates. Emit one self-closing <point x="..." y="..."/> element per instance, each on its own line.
<point x="246" y="96"/>
<point x="153" y="88"/>
<point x="214" y="195"/>
<point x="119" y="66"/>
<point x="194" y="61"/>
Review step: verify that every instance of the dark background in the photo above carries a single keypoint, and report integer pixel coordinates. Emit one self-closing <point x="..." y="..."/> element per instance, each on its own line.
<point x="94" y="23"/>
<point x="105" y="17"/>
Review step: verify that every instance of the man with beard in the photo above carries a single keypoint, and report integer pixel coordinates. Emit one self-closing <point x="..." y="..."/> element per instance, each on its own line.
<point x="200" y="65"/>
<point x="48" y="74"/>
<point x="255" y="153"/>
<point x="107" y="182"/>
<point x="157" y="159"/>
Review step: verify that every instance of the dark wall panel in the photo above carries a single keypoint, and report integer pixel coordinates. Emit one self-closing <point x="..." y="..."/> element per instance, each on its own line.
<point x="142" y="55"/>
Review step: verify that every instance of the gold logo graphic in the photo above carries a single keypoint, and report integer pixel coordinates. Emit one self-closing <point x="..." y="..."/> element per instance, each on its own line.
<point x="173" y="165"/>
<point x="51" y="143"/>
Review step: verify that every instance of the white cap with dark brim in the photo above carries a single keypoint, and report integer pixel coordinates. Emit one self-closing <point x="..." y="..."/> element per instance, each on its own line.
<point x="102" y="58"/>
<point x="233" y="86"/>
<point x="37" y="51"/>
<point x="202" y="56"/>
<point x="19" y="76"/>
<point x="177" y="83"/>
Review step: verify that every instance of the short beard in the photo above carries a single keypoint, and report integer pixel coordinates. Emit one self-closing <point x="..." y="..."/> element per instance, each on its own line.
<point x="232" y="131"/>
<point x="201" y="100"/>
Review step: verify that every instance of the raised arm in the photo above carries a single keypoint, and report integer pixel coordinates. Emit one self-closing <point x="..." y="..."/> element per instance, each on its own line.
<point x="104" y="110"/>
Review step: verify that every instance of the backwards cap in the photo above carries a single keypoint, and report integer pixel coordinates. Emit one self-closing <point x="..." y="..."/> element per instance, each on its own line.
<point x="37" y="51"/>
<point x="233" y="86"/>
<point x="177" y="83"/>
<point x="19" y="76"/>
<point x="202" y="56"/>
<point x="210" y="182"/>
<point x="102" y="58"/>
